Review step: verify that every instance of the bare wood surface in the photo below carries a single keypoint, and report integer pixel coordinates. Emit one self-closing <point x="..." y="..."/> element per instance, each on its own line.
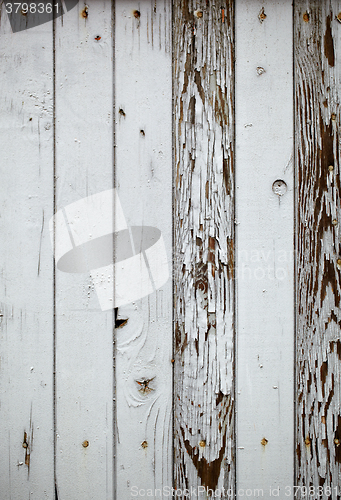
<point x="203" y="245"/>
<point x="317" y="118"/>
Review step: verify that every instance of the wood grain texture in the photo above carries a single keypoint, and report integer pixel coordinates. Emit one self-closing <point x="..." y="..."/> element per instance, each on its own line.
<point x="317" y="119"/>
<point x="264" y="245"/>
<point x="203" y="245"/>
<point x="84" y="333"/>
<point x="26" y="263"/>
<point x="143" y="178"/>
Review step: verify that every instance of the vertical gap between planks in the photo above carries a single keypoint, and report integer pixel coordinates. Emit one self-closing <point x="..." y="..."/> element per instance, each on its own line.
<point x="294" y="235"/>
<point x="235" y="316"/>
<point x="173" y="242"/>
<point x="114" y="420"/>
<point x="54" y="265"/>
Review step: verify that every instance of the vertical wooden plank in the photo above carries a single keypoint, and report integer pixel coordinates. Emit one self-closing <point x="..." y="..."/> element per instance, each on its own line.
<point x="317" y="99"/>
<point x="204" y="247"/>
<point x="143" y="177"/>
<point x="264" y="217"/>
<point x="26" y="275"/>
<point x="84" y="333"/>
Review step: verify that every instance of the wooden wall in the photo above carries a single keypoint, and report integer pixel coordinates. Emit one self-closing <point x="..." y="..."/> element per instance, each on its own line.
<point x="213" y="127"/>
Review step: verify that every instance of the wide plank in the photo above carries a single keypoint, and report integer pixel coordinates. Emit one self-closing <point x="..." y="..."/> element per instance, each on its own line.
<point x="318" y="290"/>
<point x="203" y="56"/>
<point x="143" y="179"/>
<point x="26" y="261"/>
<point x="84" y="332"/>
<point x="264" y="249"/>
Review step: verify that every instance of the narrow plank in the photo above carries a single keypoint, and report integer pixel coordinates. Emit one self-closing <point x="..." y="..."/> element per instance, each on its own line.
<point x="143" y="178"/>
<point x="84" y="333"/>
<point x="317" y="99"/>
<point x="203" y="57"/>
<point x="26" y="275"/>
<point x="264" y="217"/>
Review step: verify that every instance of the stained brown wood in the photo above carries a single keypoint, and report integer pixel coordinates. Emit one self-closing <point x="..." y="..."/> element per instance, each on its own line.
<point x="203" y="245"/>
<point x="318" y="264"/>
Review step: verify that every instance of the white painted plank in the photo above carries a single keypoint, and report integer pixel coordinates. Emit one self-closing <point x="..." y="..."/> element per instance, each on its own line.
<point x="264" y="289"/>
<point x="26" y="264"/>
<point x="84" y="333"/>
<point x="143" y="173"/>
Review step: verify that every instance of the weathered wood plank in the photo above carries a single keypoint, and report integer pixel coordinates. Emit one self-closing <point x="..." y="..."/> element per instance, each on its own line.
<point x="203" y="245"/>
<point x="26" y="264"/>
<point x="84" y="333"/>
<point x="317" y="118"/>
<point x="264" y="215"/>
<point x="143" y="177"/>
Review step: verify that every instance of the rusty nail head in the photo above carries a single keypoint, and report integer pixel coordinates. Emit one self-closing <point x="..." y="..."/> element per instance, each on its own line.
<point x="339" y="262"/>
<point x="264" y="442"/>
<point x="307" y="440"/>
<point x="338" y="17"/>
<point x="334" y="222"/>
<point x="199" y="13"/>
<point x="202" y="443"/>
<point x="137" y="14"/>
<point x="331" y="168"/>
<point x="333" y="116"/>
<point x="85" y="444"/>
<point x="262" y="15"/>
<point x="24" y="445"/>
<point x="306" y="17"/>
<point x="144" y="444"/>
<point x="337" y="441"/>
<point x="85" y="12"/>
